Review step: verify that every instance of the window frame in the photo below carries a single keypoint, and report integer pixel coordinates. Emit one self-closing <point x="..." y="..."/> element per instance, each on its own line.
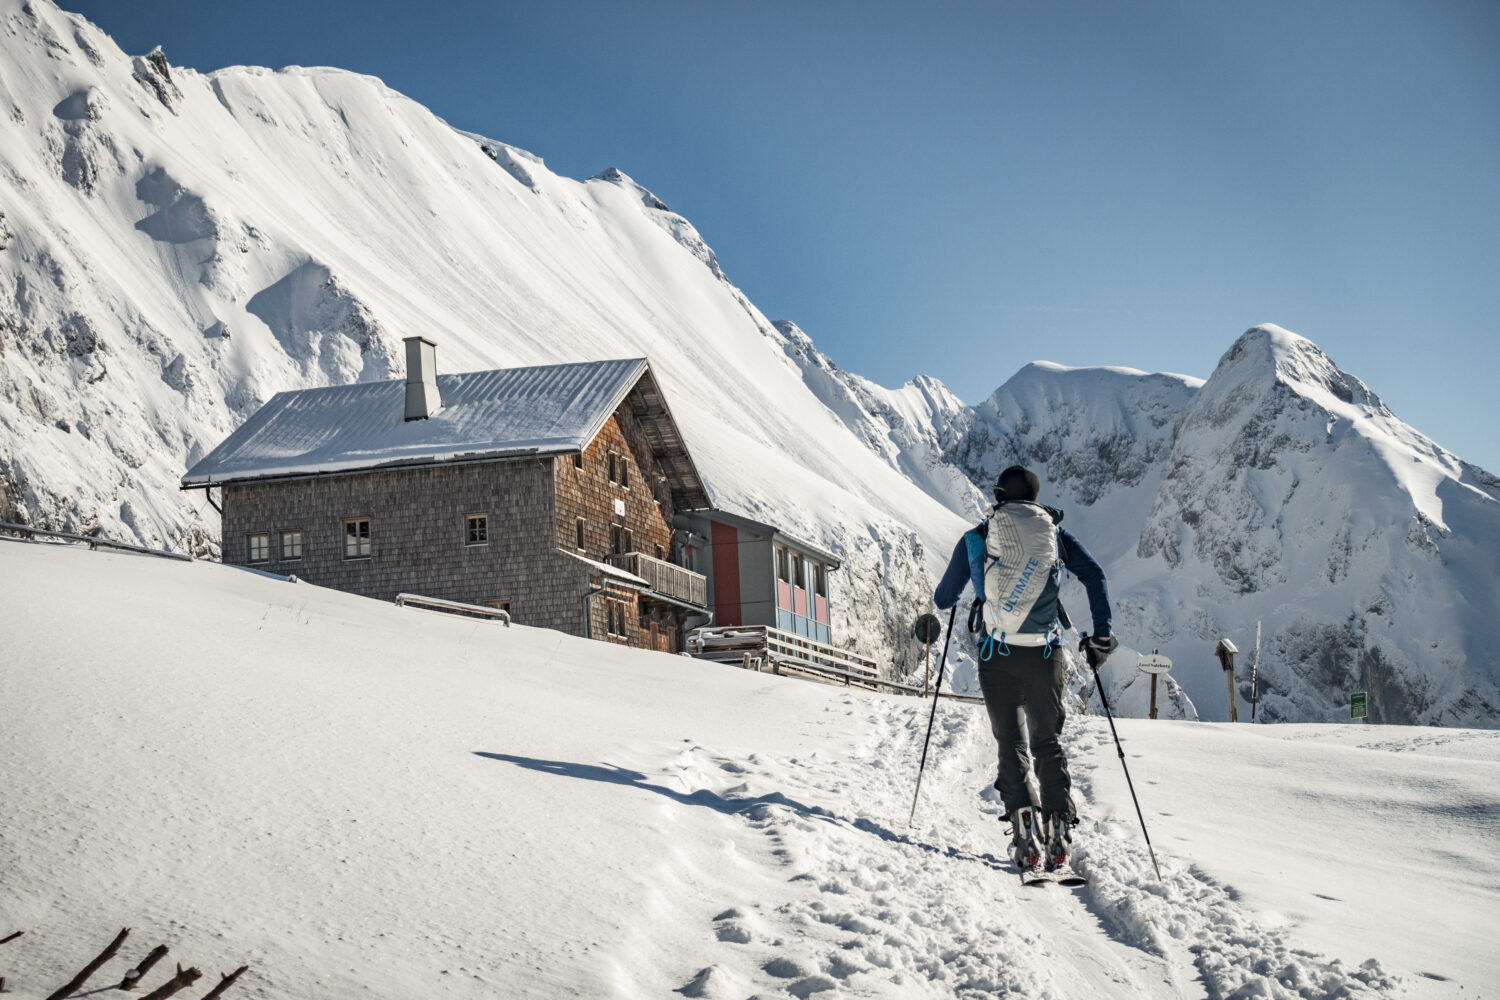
<point x="254" y="540"/>
<point x="355" y="546"/>
<point x="482" y="520"/>
<point x="284" y="535"/>
<point x="579" y="536"/>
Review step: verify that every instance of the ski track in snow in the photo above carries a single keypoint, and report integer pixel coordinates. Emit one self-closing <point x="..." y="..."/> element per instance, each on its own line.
<point x="874" y="908"/>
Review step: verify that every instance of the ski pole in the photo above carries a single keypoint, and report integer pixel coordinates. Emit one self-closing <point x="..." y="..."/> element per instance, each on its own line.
<point x="1099" y="685"/>
<point x="942" y="663"/>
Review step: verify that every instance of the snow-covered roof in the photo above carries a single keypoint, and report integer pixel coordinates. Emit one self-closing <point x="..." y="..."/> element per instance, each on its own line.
<point x="485" y="416"/>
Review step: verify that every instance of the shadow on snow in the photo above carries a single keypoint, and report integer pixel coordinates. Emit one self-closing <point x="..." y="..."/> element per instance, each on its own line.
<point x="610" y="774"/>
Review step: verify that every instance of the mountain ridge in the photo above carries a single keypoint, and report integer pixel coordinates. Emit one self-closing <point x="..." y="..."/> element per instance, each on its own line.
<point x="184" y="245"/>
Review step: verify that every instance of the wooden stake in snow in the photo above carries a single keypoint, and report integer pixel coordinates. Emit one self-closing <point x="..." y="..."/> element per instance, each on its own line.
<point x="134" y="976"/>
<point x="183" y="979"/>
<point x="11" y="937"/>
<point x="93" y="967"/>
<point x="225" y="982"/>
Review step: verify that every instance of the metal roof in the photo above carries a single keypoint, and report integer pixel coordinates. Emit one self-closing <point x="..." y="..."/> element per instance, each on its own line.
<point x="545" y="410"/>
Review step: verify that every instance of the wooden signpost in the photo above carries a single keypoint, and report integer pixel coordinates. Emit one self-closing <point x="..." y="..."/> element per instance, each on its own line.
<point x="1154" y="664"/>
<point x="1225" y="651"/>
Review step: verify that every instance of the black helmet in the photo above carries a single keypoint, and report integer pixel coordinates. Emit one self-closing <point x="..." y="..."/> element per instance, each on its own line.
<point x="1017" y="483"/>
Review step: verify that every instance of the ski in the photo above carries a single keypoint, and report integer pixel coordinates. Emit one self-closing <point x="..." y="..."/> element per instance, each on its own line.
<point x="1035" y="875"/>
<point x="1065" y="874"/>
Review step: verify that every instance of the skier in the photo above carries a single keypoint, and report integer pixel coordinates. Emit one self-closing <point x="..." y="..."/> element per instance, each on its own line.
<point x="1014" y="560"/>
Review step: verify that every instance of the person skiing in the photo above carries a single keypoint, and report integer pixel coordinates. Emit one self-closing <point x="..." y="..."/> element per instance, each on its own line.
<point x="1014" y="560"/>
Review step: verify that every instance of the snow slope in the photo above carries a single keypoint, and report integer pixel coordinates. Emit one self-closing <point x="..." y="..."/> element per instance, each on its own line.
<point x="185" y="245"/>
<point x="361" y="800"/>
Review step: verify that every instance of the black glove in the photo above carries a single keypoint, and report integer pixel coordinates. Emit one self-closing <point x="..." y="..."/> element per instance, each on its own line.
<point x="976" y="615"/>
<point x="1096" y="649"/>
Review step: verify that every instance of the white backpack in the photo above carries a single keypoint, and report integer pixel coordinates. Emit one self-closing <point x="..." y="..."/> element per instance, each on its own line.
<point x="1020" y="570"/>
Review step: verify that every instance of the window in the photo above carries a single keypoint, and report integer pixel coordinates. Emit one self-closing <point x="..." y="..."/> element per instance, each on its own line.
<point x="783" y="567"/>
<point x="629" y="540"/>
<point x="477" y="529"/>
<point x="578" y="460"/>
<point x="616" y="538"/>
<point x="613" y="466"/>
<point x="820" y="579"/>
<point x="291" y="545"/>
<point x="357" y="538"/>
<point x="799" y="574"/>
<point x="259" y="544"/>
<point x="579" y="529"/>
<point x="615" y="612"/>
<point x="625" y="472"/>
<point x="660" y="552"/>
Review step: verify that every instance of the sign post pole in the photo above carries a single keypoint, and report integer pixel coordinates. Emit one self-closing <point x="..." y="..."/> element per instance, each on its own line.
<point x="1153" y="665"/>
<point x="1255" y="674"/>
<point x="926" y="630"/>
<point x="1225" y="651"/>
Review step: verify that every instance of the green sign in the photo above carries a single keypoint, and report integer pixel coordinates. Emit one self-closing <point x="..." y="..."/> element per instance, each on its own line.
<point x="1357" y="705"/>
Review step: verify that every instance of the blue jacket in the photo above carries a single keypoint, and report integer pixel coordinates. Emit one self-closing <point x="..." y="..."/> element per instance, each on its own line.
<point x="967" y="566"/>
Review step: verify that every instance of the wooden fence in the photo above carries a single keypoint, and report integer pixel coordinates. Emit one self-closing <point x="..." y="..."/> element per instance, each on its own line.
<point x="760" y="647"/>
<point x="93" y="541"/>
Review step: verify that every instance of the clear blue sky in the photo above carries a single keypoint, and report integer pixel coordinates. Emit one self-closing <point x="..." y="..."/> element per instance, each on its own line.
<point x="956" y="189"/>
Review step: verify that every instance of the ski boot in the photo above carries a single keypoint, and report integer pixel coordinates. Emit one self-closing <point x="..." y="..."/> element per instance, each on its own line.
<point x="1059" y="863"/>
<point x="1059" y="841"/>
<point x="1026" y="845"/>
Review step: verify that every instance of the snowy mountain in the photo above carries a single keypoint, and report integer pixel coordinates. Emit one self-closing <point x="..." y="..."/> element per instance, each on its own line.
<point x="185" y="245"/>
<point x="1281" y="491"/>
<point x="177" y="247"/>
<point x="360" y="800"/>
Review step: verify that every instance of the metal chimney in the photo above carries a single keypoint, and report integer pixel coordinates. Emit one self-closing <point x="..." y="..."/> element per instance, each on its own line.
<point x="422" y="399"/>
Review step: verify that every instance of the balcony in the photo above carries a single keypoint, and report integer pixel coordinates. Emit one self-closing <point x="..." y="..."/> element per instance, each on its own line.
<point x="666" y="579"/>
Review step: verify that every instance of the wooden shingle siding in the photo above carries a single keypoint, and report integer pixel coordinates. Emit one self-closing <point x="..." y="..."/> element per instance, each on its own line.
<point x="418" y="539"/>
<point x="588" y="493"/>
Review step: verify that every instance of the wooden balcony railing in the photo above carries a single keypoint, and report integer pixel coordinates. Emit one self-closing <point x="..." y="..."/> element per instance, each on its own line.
<point x="665" y="578"/>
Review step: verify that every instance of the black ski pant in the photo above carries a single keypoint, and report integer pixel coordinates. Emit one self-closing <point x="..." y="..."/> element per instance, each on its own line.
<point x="1023" y="692"/>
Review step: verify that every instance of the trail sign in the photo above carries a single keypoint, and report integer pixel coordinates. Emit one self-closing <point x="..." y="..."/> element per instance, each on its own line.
<point x="928" y="629"/>
<point x="1358" y="705"/>
<point x="1154" y="664"/>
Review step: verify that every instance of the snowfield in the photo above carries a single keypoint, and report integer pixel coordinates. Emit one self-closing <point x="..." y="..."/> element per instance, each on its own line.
<point x="361" y="800"/>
